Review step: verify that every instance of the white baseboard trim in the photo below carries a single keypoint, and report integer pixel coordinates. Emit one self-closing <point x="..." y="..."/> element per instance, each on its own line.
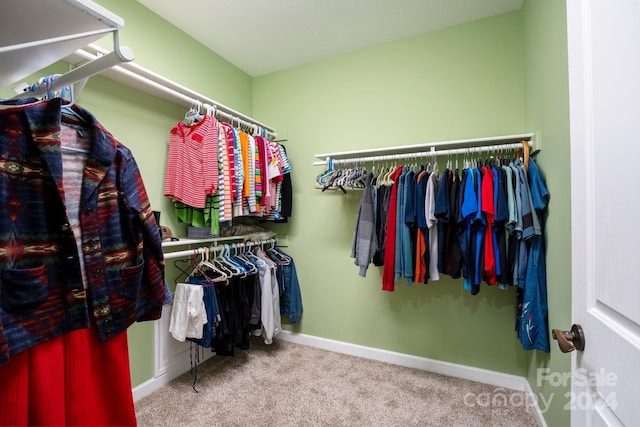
<point x="172" y="369"/>
<point x="471" y="373"/>
<point x="149" y="386"/>
<point x="535" y="407"/>
<point x="498" y="379"/>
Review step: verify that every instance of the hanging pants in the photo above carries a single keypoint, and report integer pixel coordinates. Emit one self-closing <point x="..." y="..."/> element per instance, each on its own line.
<point x="70" y="380"/>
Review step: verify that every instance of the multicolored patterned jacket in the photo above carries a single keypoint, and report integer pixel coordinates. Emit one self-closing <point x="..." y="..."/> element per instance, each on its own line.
<point x="42" y="295"/>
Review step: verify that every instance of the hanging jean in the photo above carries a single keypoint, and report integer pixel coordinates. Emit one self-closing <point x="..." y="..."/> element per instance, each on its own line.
<point x="290" y="295"/>
<point x="532" y="309"/>
<point x="532" y="328"/>
<point x="211" y="309"/>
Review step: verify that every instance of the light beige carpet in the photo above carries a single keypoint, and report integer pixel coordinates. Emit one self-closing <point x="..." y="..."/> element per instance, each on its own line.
<point x="287" y="384"/>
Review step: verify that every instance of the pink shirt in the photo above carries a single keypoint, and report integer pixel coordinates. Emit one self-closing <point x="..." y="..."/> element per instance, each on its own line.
<point x="192" y="162"/>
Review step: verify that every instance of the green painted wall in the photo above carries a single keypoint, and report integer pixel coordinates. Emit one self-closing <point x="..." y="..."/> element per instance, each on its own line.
<point x="547" y="114"/>
<point x="463" y="82"/>
<point x="500" y="75"/>
<point x="163" y="48"/>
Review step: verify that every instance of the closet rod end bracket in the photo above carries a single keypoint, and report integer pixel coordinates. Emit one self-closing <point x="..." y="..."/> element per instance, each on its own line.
<point x="536" y="141"/>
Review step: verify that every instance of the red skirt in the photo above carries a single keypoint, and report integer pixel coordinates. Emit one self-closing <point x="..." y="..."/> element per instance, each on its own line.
<point x="71" y="380"/>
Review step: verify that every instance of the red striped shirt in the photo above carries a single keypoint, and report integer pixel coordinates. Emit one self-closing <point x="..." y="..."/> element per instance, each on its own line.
<point x="192" y="162"/>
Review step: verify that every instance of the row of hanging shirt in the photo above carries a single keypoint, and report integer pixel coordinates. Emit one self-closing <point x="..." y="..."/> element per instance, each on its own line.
<point x="217" y="172"/>
<point x="239" y="292"/>
<point x="484" y="224"/>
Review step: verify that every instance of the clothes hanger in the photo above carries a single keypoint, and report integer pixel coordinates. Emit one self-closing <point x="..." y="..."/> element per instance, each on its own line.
<point x="69" y="116"/>
<point x="414" y="165"/>
<point x="344" y="179"/>
<point x="233" y="257"/>
<point x="386" y="177"/>
<point x="67" y="108"/>
<point x="205" y="263"/>
<point x="210" y="110"/>
<point x="421" y="163"/>
<point x="321" y="179"/>
<point x="264" y="256"/>
<point x="225" y="258"/>
<point x="259" y="263"/>
<point x="246" y="265"/>
<point x="478" y="159"/>
<point x="194" y="114"/>
<point x="356" y="178"/>
<point x="525" y="154"/>
<point x="331" y="178"/>
<point x="218" y="263"/>
<point x="280" y="257"/>
<point x="185" y="272"/>
<point x="222" y="266"/>
<point x="374" y="174"/>
<point x="270" y="255"/>
<point x="253" y="266"/>
<point x="380" y="172"/>
<point x="512" y="156"/>
<point x="389" y="178"/>
<point x="349" y="177"/>
<point x="332" y="181"/>
<point x="197" y="269"/>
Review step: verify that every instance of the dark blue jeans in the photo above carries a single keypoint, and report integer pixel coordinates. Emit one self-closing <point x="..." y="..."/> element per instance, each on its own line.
<point x="290" y="295"/>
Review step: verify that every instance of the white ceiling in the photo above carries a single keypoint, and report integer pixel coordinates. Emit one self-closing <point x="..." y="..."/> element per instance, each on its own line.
<point x="262" y="36"/>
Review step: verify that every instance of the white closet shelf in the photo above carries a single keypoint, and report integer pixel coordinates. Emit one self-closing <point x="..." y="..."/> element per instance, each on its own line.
<point x="196" y="245"/>
<point x="36" y="33"/>
<point x="140" y="78"/>
<point x="187" y="241"/>
<point x="423" y="148"/>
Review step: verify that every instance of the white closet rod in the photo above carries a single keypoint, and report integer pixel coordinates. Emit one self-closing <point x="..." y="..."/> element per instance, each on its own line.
<point x="98" y="64"/>
<point x="53" y="40"/>
<point x="402" y="149"/>
<point x="433" y="152"/>
<point x="143" y="79"/>
<point x="200" y="250"/>
<point x="84" y="72"/>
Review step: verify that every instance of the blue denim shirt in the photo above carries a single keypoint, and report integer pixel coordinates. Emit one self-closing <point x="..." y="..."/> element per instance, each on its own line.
<point x="399" y="255"/>
<point x="290" y="295"/>
<point x="480" y="224"/>
<point x="468" y="211"/>
<point x="408" y="221"/>
<point x="532" y="310"/>
<point x="211" y="308"/>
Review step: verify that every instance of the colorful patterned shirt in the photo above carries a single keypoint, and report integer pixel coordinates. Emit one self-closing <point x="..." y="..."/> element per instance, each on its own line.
<point x="42" y="294"/>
